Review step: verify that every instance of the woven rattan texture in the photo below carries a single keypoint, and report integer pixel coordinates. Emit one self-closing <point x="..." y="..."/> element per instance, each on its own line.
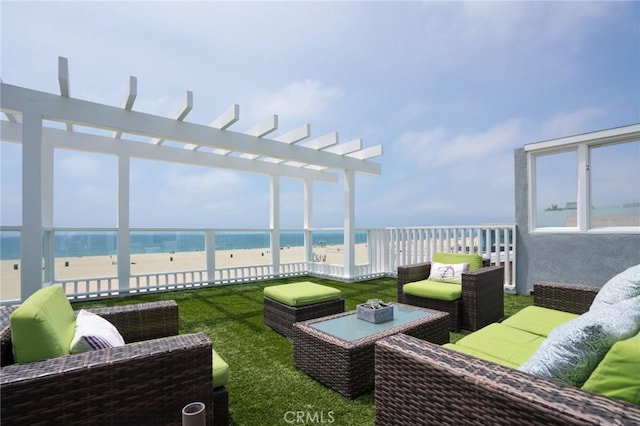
<point x="482" y="300"/>
<point x="348" y="367"/>
<point x="418" y="383"/>
<point x="144" y="382"/>
<point x="280" y="317"/>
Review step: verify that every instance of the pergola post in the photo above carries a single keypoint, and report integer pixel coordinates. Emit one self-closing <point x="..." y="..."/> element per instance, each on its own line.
<point x="349" y="223"/>
<point x="124" y="232"/>
<point x="33" y="158"/>
<point x="274" y="226"/>
<point x="308" y="220"/>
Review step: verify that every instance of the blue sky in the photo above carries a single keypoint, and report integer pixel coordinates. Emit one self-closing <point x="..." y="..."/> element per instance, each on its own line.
<point x="449" y="89"/>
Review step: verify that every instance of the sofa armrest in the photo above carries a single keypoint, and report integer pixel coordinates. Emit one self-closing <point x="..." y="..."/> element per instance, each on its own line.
<point x="138" y="383"/>
<point x="411" y="273"/>
<point x="482" y="297"/>
<point x="564" y="297"/>
<point x="143" y="321"/>
<point x="419" y="383"/>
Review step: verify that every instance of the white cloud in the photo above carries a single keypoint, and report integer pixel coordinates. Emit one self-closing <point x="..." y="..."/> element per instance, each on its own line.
<point x="435" y="148"/>
<point x="570" y="122"/>
<point x="299" y="101"/>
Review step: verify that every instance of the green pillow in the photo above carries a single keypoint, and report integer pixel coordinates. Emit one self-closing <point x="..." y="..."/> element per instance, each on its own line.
<point x="618" y="374"/>
<point x="43" y="326"/>
<point x="474" y="260"/>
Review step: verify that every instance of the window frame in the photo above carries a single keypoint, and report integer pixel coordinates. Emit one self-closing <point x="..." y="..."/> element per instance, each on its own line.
<point x="582" y="145"/>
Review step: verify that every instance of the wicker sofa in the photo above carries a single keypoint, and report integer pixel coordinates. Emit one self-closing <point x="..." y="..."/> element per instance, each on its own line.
<point x="481" y="301"/>
<point x="421" y="383"/>
<point x="147" y="381"/>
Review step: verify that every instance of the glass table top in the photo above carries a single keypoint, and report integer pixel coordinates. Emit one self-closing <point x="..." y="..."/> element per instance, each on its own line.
<point x="350" y="328"/>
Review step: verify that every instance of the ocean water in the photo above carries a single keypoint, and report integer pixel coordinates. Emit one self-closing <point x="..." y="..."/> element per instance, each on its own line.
<point x="73" y="244"/>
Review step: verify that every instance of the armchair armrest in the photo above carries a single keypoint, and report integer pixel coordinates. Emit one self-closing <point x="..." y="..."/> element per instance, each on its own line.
<point x="419" y="383"/>
<point x="411" y="273"/>
<point x="143" y="321"/>
<point x="482" y="297"/>
<point x="139" y="383"/>
<point x="564" y="297"/>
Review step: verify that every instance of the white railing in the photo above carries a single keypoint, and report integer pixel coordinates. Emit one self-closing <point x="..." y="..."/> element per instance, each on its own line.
<point x="385" y="249"/>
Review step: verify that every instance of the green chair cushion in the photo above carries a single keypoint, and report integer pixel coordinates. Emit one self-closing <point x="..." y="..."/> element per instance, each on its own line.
<point x="303" y="293"/>
<point x="474" y="260"/>
<point x="434" y="290"/>
<point x="220" y="370"/>
<point x="43" y="326"/>
<point x="503" y="342"/>
<point x="538" y="320"/>
<point x="479" y="355"/>
<point x="618" y="374"/>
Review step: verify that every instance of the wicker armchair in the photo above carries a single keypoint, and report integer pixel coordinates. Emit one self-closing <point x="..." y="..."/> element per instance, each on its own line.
<point x="419" y="383"/>
<point x="147" y="381"/>
<point x="482" y="300"/>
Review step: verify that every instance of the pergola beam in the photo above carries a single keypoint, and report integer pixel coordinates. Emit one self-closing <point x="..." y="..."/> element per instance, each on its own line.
<point x="264" y="127"/>
<point x="181" y="115"/>
<point x="131" y="98"/>
<point x="63" y="81"/>
<point x="12" y="132"/>
<point x="75" y="111"/>
<point x="296" y="135"/>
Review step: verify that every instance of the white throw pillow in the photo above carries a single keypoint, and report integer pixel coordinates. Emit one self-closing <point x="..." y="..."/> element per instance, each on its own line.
<point x="94" y="332"/>
<point x="448" y="273"/>
<point x="623" y="286"/>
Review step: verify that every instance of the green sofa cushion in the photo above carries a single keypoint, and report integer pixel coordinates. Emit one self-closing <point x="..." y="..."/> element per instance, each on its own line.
<point x="573" y="350"/>
<point x="303" y="293"/>
<point x="479" y="355"/>
<point x="618" y="374"/>
<point x="433" y="290"/>
<point x="220" y="370"/>
<point x="503" y="342"/>
<point x="43" y="326"/>
<point x="538" y="320"/>
<point x="474" y="260"/>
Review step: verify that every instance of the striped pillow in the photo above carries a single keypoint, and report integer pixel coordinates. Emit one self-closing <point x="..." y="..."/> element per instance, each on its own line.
<point x="94" y="332"/>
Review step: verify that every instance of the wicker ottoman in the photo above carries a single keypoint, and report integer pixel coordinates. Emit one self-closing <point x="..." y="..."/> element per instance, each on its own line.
<point x="287" y="304"/>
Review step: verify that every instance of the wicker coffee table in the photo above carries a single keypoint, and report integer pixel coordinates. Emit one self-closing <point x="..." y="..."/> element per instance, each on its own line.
<point x="338" y="350"/>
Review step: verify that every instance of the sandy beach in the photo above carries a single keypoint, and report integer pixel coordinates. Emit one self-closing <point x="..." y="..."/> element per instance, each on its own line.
<point x="68" y="268"/>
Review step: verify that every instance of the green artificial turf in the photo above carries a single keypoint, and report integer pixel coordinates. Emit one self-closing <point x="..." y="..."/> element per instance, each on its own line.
<point x="264" y="387"/>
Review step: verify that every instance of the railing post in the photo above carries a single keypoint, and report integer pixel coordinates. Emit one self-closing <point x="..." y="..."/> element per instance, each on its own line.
<point x="210" y="250"/>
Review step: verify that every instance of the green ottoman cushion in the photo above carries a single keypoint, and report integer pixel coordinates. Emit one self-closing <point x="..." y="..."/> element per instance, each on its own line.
<point x="618" y="374"/>
<point x="220" y="370"/>
<point x="43" y="326"/>
<point x="301" y="294"/>
<point x="538" y="320"/>
<point x="474" y="260"/>
<point x="433" y="290"/>
<point x="503" y="342"/>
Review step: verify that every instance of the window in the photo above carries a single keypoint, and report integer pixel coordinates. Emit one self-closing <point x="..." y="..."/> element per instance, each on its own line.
<point x="586" y="183"/>
<point x="556" y="190"/>
<point x="615" y="185"/>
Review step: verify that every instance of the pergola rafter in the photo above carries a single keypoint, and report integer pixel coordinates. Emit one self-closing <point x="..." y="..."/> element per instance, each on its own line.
<point x="292" y="154"/>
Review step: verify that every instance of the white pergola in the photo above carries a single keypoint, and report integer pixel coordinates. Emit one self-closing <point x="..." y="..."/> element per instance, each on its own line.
<point x="31" y="118"/>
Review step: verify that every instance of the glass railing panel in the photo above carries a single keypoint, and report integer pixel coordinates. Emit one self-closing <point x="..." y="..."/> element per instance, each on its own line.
<point x="242" y="248"/>
<point x="167" y="251"/>
<point x="84" y="254"/>
<point x="10" y="265"/>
